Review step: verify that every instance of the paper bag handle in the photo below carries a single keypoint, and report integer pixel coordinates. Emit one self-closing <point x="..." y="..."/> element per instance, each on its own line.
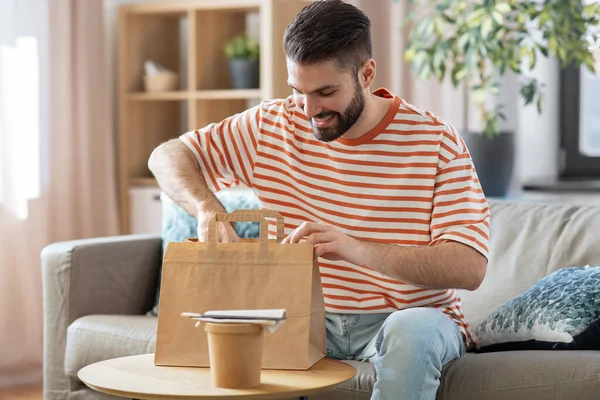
<point x="267" y="214"/>
<point x="223" y="217"/>
<point x="211" y="239"/>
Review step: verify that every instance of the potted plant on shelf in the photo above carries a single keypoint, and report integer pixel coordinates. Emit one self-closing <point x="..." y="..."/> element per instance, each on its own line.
<point x="477" y="42"/>
<point x="242" y="52"/>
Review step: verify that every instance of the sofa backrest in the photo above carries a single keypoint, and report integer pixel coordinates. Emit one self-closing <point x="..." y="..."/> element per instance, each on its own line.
<point x="527" y="242"/>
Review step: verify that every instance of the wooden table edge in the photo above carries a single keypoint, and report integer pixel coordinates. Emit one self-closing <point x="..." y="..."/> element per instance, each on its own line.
<point x="151" y="396"/>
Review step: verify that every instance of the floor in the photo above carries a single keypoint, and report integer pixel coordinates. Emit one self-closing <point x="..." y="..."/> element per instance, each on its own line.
<point x="22" y="393"/>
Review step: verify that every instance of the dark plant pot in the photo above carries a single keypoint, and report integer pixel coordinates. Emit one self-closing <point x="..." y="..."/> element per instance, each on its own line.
<point x="493" y="160"/>
<point x="243" y="73"/>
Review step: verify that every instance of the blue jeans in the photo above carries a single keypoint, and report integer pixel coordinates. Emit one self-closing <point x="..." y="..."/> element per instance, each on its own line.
<point x="408" y="347"/>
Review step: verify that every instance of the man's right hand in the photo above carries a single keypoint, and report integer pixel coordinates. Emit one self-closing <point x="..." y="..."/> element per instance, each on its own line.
<point x="225" y="231"/>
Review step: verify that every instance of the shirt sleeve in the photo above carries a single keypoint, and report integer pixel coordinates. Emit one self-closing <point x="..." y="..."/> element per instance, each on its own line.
<point x="460" y="209"/>
<point x="226" y="151"/>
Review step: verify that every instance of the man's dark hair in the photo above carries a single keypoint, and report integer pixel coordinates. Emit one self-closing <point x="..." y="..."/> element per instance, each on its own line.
<point x="329" y="30"/>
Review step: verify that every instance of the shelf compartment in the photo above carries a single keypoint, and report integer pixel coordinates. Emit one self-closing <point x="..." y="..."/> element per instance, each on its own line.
<point x="150" y="124"/>
<point x="160" y="38"/>
<point x="214" y="111"/>
<point x="213" y="30"/>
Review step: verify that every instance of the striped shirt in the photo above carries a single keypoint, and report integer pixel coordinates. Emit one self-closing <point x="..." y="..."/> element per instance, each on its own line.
<point x="410" y="182"/>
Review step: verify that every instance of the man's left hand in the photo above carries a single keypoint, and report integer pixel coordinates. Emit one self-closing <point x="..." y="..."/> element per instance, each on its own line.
<point x="329" y="242"/>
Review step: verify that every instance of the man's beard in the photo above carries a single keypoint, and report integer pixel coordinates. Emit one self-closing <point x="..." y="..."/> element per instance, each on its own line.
<point x="344" y="122"/>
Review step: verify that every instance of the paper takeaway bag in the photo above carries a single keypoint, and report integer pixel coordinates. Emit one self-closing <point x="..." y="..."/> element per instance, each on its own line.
<point x="253" y="274"/>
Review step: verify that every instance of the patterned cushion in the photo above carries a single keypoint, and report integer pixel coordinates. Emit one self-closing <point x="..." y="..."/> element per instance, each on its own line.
<point x="561" y="311"/>
<point x="178" y="225"/>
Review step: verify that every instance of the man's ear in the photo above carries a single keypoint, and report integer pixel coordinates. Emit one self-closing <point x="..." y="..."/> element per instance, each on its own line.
<point x="367" y="73"/>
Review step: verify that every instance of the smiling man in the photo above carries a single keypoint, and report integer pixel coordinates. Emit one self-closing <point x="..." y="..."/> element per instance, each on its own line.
<point x="385" y="191"/>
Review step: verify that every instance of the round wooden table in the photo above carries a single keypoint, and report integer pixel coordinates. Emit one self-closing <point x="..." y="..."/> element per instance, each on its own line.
<point x="137" y="377"/>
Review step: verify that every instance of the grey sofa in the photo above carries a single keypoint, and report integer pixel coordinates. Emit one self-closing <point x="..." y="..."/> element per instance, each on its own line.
<point x="97" y="291"/>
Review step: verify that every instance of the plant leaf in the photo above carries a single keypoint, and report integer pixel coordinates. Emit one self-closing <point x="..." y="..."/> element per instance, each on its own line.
<point x="486" y="27"/>
<point x="528" y="91"/>
<point x="544" y="17"/>
<point x="478" y="96"/>
<point x="552" y="44"/>
<point x="425" y="71"/>
<point x="522" y="51"/>
<point x="458" y="73"/>
<point x="491" y="126"/>
<point x="462" y="41"/>
<point x="532" y="58"/>
<point x="498" y="17"/>
<point x="503" y="7"/>
<point x="562" y="54"/>
<point x="589" y="62"/>
<point x="410" y="53"/>
<point x="514" y="65"/>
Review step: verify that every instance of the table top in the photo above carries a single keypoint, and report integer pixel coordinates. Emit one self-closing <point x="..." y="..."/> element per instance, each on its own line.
<point x="138" y="377"/>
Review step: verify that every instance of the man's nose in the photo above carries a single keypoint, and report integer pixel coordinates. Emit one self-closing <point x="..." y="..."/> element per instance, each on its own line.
<point x="311" y="107"/>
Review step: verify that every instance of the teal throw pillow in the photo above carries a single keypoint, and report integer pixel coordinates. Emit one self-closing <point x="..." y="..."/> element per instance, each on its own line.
<point x="559" y="312"/>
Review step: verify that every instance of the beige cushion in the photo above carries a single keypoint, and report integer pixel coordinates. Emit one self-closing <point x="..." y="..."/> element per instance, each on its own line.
<point x="517" y="375"/>
<point x="528" y="242"/>
<point x="100" y="337"/>
<point x="510" y="375"/>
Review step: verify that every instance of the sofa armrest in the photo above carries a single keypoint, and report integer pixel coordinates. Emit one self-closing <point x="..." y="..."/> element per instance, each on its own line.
<point x="112" y="275"/>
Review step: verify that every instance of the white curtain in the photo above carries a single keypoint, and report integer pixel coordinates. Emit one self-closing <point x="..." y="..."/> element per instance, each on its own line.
<point x="23" y="100"/>
<point x="23" y="127"/>
<point x="55" y="118"/>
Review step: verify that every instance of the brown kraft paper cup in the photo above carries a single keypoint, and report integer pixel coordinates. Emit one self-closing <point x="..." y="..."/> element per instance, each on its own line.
<point x="235" y="352"/>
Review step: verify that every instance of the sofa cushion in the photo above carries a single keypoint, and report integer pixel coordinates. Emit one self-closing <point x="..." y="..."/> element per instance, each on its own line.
<point x="523" y="375"/>
<point x="96" y="338"/>
<point x="560" y="312"/>
<point x="515" y="375"/>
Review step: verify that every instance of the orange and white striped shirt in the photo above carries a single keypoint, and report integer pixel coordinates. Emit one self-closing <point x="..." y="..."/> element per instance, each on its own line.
<point x="410" y="182"/>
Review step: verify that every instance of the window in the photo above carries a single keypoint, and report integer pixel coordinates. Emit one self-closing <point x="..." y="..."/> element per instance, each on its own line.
<point x="580" y="122"/>
<point x="23" y="105"/>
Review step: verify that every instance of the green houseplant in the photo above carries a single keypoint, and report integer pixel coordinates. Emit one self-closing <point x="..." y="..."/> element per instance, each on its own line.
<point x="475" y="42"/>
<point x="242" y="52"/>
